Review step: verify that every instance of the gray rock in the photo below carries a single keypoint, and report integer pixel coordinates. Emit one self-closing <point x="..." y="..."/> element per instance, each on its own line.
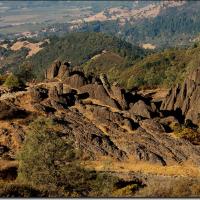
<point x="185" y="98"/>
<point x="141" y="109"/>
<point x="52" y="71"/>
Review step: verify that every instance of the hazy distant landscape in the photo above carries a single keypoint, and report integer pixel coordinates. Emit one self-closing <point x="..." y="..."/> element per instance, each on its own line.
<point x="99" y="99"/>
<point x="135" y="21"/>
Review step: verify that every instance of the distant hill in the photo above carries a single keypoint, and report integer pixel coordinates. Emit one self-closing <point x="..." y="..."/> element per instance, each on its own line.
<point x="170" y="27"/>
<point x="97" y="53"/>
<point x="159" y="69"/>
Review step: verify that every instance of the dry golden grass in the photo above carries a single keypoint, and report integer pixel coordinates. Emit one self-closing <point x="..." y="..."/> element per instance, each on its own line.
<point x="185" y="170"/>
<point x="148" y="46"/>
<point x="34" y="47"/>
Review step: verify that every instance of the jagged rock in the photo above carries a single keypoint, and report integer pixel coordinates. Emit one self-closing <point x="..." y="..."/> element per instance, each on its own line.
<point x="53" y="93"/>
<point x="151" y="143"/>
<point x="185" y="98"/>
<point x="98" y="92"/>
<point x="61" y="101"/>
<point x="141" y="108"/>
<point x="75" y="81"/>
<point x="59" y="87"/>
<point x="95" y="116"/>
<point x="89" y="138"/>
<point x="194" y="110"/>
<point x="142" y="153"/>
<point x="64" y="71"/>
<point x="105" y="82"/>
<point x="103" y="114"/>
<point x="52" y="72"/>
<point x="128" y="123"/>
<point x="119" y="95"/>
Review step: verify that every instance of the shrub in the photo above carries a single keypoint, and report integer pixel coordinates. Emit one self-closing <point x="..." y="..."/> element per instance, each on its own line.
<point x="102" y="184"/>
<point x="12" y="82"/>
<point x="189" y="134"/>
<point x="47" y="159"/>
<point x="3" y="78"/>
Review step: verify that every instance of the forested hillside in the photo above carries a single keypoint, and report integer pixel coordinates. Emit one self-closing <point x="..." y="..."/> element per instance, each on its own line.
<point x="78" y="48"/>
<point x="161" y="69"/>
<point x="98" y="53"/>
<point x="176" y="26"/>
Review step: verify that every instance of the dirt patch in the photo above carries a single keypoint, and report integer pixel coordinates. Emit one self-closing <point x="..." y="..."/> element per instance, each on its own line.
<point x="34" y="47"/>
<point x="148" y="46"/>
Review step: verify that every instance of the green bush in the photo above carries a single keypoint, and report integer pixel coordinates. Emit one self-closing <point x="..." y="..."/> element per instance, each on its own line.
<point x="13" y="82"/>
<point x="3" y="78"/>
<point x="47" y="159"/>
<point x="188" y="134"/>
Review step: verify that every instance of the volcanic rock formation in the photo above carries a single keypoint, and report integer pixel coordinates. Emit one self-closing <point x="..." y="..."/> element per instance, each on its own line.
<point x="104" y="119"/>
<point x="185" y="98"/>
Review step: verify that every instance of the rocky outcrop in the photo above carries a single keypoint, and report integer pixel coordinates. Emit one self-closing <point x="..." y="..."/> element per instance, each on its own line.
<point x="52" y="72"/>
<point x="38" y="93"/>
<point x="118" y="94"/>
<point x="64" y="70"/>
<point x="58" y="69"/>
<point x="104" y="119"/>
<point x="185" y="98"/>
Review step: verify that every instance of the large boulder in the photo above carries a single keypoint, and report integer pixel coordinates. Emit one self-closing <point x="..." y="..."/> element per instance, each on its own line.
<point x="141" y="108"/>
<point x="98" y="92"/>
<point x="75" y="81"/>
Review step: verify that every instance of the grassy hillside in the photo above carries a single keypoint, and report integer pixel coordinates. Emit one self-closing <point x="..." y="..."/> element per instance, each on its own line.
<point x="161" y="69"/>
